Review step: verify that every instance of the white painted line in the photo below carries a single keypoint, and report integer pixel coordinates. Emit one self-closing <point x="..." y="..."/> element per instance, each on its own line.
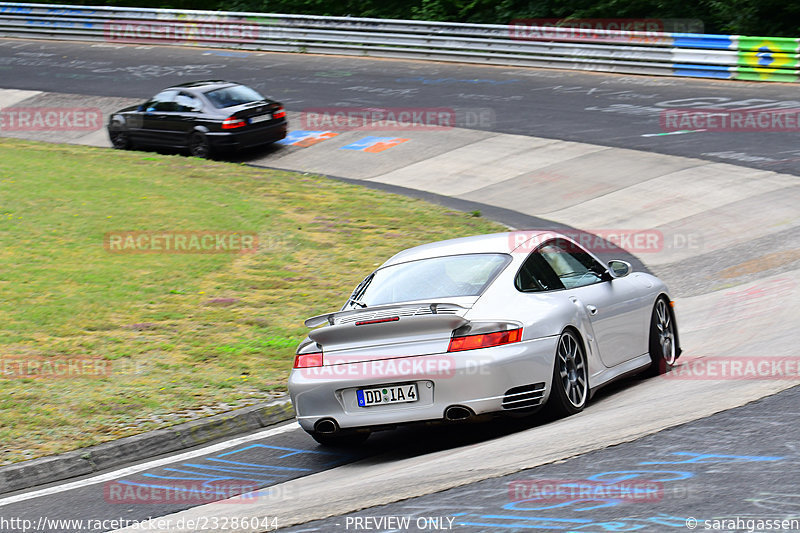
<point x="110" y="476"/>
<point x="679" y="132"/>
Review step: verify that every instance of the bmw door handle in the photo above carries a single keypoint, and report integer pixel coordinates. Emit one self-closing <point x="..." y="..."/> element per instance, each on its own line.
<point x="592" y="309"/>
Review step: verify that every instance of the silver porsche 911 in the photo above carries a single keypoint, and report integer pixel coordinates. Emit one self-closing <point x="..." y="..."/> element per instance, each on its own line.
<point x="502" y="323"/>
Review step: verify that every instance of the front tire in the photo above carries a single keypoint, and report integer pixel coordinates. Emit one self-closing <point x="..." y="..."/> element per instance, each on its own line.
<point x="663" y="349"/>
<point x="570" y="386"/>
<point x="120" y="140"/>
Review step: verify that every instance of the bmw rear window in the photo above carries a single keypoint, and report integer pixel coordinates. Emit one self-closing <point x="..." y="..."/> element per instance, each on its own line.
<point x="233" y="96"/>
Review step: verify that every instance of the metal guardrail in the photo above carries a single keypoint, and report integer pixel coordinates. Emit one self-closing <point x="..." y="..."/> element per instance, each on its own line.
<point x="634" y="52"/>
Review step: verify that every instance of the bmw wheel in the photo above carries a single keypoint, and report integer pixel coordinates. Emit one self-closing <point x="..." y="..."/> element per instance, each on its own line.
<point x="120" y="140"/>
<point x="198" y="146"/>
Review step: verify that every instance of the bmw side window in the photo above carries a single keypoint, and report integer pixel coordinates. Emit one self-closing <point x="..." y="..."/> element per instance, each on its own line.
<point x="187" y="103"/>
<point x="536" y="275"/>
<point x="573" y="266"/>
<point x="163" y="101"/>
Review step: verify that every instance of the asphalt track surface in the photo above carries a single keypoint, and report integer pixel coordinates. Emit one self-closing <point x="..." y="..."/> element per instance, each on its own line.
<point x="603" y="109"/>
<point x="141" y="492"/>
<point x="705" y="474"/>
<point x="616" y="111"/>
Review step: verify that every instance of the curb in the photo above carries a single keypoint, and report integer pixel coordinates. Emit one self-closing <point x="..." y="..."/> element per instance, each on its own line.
<point x="85" y="461"/>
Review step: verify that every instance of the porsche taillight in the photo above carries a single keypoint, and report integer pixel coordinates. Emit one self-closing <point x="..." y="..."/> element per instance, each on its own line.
<point x="308" y="360"/>
<point x="484" y="340"/>
<point x="279" y="113"/>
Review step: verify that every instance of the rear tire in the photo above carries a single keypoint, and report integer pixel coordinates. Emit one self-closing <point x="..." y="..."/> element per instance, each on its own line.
<point x="199" y="146"/>
<point x="340" y="439"/>
<point x="570" y="385"/>
<point x="663" y="349"/>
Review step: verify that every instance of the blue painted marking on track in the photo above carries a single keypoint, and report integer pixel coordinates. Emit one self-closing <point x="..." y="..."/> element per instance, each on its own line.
<point x="238" y="471"/>
<point x="531" y="522"/>
<point x="647" y="474"/>
<point x="297" y="136"/>
<point x="211" y="490"/>
<point x="606" y="502"/>
<point x="438" y="81"/>
<point x="226" y="469"/>
<point x="200" y="476"/>
<point x="714" y="458"/>
<point x="196" y="476"/>
<point x="365" y="144"/>
<point x="506" y="526"/>
<point x="255" y="465"/>
<point x="295" y="451"/>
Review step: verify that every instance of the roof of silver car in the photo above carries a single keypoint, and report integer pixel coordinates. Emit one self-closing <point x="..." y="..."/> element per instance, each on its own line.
<point x="491" y="243"/>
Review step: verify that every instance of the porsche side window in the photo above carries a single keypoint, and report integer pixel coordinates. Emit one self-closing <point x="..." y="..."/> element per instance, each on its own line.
<point x="573" y="266"/>
<point x="536" y="275"/>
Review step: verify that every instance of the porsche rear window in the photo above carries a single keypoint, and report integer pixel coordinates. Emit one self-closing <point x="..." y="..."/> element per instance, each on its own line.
<point x="430" y="279"/>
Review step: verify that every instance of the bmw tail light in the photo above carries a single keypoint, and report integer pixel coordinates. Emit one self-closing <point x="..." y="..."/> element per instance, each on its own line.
<point x="232" y="123"/>
<point x="484" y="340"/>
<point x="279" y="113"/>
<point x="308" y="360"/>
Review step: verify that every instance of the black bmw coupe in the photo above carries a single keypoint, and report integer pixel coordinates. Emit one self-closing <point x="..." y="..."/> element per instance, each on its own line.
<point x="204" y="117"/>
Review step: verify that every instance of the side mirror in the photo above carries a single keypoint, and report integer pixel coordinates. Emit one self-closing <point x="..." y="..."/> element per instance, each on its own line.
<point x="618" y="268"/>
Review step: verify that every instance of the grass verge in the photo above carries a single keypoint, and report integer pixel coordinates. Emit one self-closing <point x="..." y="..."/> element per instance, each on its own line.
<point x="180" y="335"/>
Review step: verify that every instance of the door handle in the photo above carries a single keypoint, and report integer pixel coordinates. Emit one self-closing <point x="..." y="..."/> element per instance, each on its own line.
<point x="592" y="309"/>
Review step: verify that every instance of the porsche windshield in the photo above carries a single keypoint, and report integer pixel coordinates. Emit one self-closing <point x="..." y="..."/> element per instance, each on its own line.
<point x="429" y="279"/>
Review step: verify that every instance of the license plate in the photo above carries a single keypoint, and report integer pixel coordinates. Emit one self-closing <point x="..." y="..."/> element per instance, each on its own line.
<point x="386" y="395"/>
<point x="260" y="118"/>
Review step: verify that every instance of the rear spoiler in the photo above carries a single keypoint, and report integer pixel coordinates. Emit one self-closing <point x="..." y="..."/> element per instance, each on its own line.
<point x="330" y="318"/>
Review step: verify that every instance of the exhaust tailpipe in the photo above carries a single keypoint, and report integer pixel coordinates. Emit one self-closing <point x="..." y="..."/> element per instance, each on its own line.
<point x="326" y="426"/>
<point x="457" y="412"/>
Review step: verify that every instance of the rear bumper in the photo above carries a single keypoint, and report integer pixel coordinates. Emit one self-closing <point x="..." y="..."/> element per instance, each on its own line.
<point x="477" y="379"/>
<point x="237" y="140"/>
